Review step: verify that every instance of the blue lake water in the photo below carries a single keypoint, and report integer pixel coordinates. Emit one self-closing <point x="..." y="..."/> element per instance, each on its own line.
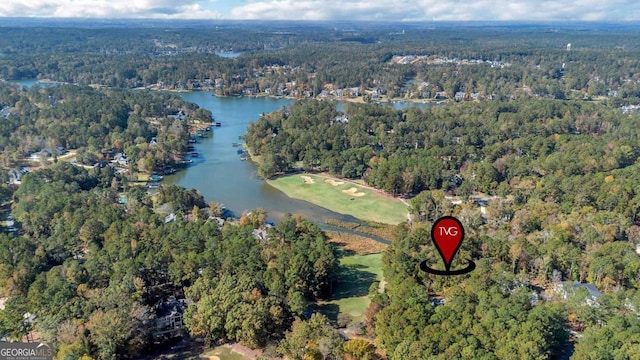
<point x="26" y="83"/>
<point x="228" y="54"/>
<point x="220" y="175"/>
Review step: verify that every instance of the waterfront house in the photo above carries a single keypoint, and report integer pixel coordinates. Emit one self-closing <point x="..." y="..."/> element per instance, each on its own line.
<point x="179" y="116"/>
<point x="220" y="221"/>
<point x="354" y="92"/>
<point x="379" y="91"/>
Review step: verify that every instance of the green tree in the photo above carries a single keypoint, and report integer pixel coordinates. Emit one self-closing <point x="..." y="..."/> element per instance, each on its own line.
<point x="310" y="337"/>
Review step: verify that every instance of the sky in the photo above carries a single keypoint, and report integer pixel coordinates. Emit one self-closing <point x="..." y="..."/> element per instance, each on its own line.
<point x="336" y="10"/>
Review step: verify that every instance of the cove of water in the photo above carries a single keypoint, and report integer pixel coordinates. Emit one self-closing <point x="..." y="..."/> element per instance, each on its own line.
<point x="219" y="174"/>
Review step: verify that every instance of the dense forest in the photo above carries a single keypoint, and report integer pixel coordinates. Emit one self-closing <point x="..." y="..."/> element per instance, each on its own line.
<point x="562" y="195"/>
<point x="309" y="60"/>
<point x="562" y="205"/>
<point x="97" y="272"/>
<point x="498" y="148"/>
<point x="534" y="148"/>
<point x="494" y="312"/>
<point x="92" y="120"/>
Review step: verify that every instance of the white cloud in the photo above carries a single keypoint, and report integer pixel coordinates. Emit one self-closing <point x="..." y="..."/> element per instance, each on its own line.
<point x="426" y="10"/>
<point x="107" y="9"/>
<point x="397" y="10"/>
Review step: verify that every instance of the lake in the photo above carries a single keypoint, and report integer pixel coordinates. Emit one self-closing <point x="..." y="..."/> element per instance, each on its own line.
<point x="31" y="82"/>
<point x="228" y="54"/>
<point x="220" y="175"/>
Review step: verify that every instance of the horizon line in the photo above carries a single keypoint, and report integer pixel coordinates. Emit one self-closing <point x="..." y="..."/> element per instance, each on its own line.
<point x="323" y="21"/>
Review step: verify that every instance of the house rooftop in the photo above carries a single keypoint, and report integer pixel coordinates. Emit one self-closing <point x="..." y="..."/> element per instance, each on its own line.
<point x="170" y="306"/>
<point x="592" y="290"/>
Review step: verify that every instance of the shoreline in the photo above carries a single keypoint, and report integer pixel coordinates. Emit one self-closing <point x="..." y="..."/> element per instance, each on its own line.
<point x="355" y="100"/>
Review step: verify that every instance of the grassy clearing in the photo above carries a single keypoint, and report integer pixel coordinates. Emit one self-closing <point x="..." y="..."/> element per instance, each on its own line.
<point x="362" y="203"/>
<point x="222" y="353"/>
<point x="351" y="296"/>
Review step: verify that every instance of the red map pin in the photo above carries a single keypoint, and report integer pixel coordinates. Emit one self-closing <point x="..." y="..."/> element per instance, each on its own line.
<point x="447" y="234"/>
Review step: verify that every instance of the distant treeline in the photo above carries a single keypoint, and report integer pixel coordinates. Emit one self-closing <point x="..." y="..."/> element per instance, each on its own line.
<point x="474" y="62"/>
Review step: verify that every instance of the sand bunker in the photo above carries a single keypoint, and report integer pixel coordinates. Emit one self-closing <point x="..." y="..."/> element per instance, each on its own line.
<point x="333" y="182"/>
<point x="353" y="192"/>
<point x="307" y="179"/>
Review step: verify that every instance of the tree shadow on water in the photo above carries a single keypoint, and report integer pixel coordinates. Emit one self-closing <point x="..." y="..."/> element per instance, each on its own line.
<point x="353" y="281"/>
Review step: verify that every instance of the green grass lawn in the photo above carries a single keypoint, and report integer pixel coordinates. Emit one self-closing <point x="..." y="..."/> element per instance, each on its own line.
<point x="369" y="206"/>
<point x="224" y="353"/>
<point x="351" y="295"/>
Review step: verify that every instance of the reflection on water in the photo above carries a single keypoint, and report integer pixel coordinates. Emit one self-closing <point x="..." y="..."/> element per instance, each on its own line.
<point x="220" y="175"/>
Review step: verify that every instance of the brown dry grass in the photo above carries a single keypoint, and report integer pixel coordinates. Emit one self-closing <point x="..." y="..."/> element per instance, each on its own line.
<point x="384" y="231"/>
<point x="343" y="224"/>
<point x="356" y="244"/>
